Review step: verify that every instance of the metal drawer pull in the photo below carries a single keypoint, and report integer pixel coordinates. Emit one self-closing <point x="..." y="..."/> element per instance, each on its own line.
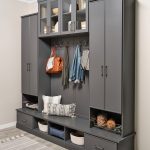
<point x="106" y="71"/>
<point x="102" y="70"/>
<point x="27" y="67"/>
<point x="99" y="148"/>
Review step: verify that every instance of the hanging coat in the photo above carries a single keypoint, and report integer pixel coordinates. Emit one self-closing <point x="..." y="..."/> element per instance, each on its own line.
<point x="76" y="71"/>
<point x="65" y="72"/>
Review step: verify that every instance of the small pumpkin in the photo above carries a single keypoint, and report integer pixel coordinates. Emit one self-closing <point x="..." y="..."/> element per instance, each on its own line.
<point x="111" y="124"/>
<point x="101" y="120"/>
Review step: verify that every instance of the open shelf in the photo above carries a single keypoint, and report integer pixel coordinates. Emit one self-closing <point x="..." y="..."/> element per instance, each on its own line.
<point x="67" y="13"/>
<point x="44" y="18"/>
<point x="105" y="120"/>
<point x="37" y="130"/>
<point x="56" y="130"/>
<point x="70" y="144"/>
<point x="54" y="16"/>
<point x="81" y="11"/>
<point x="30" y="102"/>
<point x="77" y="137"/>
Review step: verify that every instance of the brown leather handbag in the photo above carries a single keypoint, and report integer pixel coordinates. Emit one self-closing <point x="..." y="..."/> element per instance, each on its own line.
<point x="54" y="63"/>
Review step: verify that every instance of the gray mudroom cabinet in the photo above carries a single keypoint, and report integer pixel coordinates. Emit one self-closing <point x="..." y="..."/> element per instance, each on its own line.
<point x="109" y="72"/>
<point x="29" y="55"/>
<point x="106" y="54"/>
<point x="106" y="28"/>
<point x="112" y="59"/>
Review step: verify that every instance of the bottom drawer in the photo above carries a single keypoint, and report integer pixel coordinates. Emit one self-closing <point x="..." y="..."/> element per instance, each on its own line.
<point x="95" y="143"/>
<point x="25" y="120"/>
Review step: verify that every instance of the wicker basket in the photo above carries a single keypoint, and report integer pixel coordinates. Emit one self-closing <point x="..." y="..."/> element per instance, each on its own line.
<point x="77" y="138"/>
<point x="43" y="126"/>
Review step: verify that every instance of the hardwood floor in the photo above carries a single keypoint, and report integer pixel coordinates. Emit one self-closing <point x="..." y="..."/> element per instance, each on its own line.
<point x="12" y="132"/>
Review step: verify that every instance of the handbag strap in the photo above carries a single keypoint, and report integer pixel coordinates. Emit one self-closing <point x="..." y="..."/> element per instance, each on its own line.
<point x="53" y="51"/>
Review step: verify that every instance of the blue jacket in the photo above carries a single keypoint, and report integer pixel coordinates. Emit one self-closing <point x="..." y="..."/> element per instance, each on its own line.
<point x="76" y="71"/>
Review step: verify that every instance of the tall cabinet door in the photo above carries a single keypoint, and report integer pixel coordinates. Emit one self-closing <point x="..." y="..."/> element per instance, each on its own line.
<point x="113" y="52"/>
<point x="96" y="30"/>
<point x="25" y="46"/>
<point x="33" y="55"/>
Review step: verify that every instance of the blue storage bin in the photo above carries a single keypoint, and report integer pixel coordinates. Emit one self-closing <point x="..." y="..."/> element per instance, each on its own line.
<point x="57" y="132"/>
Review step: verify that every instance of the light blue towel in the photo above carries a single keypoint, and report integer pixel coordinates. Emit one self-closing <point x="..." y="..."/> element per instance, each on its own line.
<point x="76" y="71"/>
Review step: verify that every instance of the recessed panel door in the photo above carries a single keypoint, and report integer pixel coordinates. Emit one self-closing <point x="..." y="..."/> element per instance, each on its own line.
<point x="25" y="53"/>
<point x="113" y="52"/>
<point x="96" y="31"/>
<point x="33" y="56"/>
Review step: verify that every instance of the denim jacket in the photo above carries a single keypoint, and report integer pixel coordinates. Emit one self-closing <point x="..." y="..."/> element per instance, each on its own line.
<point x="76" y="71"/>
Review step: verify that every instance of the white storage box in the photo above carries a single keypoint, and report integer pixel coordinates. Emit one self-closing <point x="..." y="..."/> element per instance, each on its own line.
<point x="77" y="138"/>
<point x="43" y="127"/>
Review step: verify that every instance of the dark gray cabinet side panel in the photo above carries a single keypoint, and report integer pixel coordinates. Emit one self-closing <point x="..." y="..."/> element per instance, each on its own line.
<point x="113" y="55"/>
<point x="94" y="143"/>
<point x="127" y="143"/>
<point x="33" y="55"/>
<point x="25" y="49"/>
<point x="44" y="83"/>
<point x="96" y="29"/>
<point x="128" y="67"/>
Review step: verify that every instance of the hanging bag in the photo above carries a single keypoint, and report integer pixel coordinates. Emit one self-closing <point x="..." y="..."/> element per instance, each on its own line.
<point x="54" y="63"/>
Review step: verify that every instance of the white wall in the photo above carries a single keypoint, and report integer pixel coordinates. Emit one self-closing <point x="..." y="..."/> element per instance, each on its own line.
<point x="10" y="60"/>
<point x="143" y="74"/>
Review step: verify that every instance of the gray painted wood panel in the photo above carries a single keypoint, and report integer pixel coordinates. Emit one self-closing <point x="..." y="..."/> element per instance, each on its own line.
<point x="128" y="67"/>
<point x="96" y="29"/>
<point x="78" y="94"/>
<point x="33" y="55"/>
<point x="113" y="55"/>
<point x="44" y="82"/>
<point x="56" y="81"/>
<point x="82" y="95"/>
<point x="25" y="54"/>
<point x="94" y="143"/>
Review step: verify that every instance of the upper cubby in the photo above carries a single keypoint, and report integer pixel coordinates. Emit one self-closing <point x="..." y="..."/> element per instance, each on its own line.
<point x="60" y="17"/>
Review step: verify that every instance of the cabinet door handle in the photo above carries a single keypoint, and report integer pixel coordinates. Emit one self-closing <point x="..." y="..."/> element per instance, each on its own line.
<point x="98" y="148"/>
<point x="27" y="67"/>
<point x="102" y="70"/>
<point x="106" y="71"/>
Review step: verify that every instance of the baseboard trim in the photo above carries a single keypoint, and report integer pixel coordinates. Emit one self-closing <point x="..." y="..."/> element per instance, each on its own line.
<point x="8" y="125"/>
